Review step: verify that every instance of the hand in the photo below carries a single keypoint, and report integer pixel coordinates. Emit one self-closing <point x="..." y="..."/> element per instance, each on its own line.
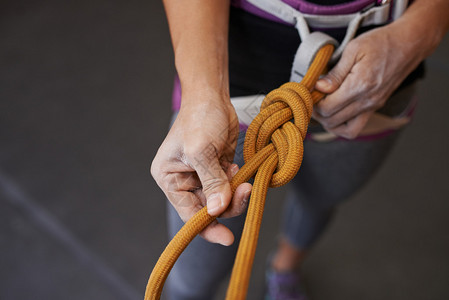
<point x="193" y="166"/>
<point x="372" y="66"/>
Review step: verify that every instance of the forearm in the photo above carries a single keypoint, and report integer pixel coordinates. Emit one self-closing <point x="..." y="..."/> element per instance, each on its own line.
<point x="422" y="27"/>
<point x="199" y="31"/>
<point x="193" y="166"/>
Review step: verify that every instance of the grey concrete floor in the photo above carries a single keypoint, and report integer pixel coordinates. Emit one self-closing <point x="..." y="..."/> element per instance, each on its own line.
<point x="84" y="104"/>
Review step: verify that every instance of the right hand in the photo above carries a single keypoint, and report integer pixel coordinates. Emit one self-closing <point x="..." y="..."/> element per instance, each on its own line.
<point x="194" y="165"/>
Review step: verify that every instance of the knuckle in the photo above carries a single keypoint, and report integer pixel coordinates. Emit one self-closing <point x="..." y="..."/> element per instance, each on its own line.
<point x="367" y="84"/>
<point x="352" y="45"/>
<point x="352" y="48"/>
<point x="371" y="104"/>
<point x="326" y="112"/>
<point x="323" y="110"/>
<point x="170" y="183"/>
<point x="334" y="77"/>
<point x="331" y="123"/>
<point x="198" y="149"/>
<point x="212" y="184"/>
<point x="243" y="206"/>
<point x="351" y="133"/>
<point x="154" y="170"/>
<point x="158" y="174"/>
<point x="377" y="105"/>
<point x="191" y="150"/>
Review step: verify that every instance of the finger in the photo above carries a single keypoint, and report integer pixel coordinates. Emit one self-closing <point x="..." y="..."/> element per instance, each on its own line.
<point x="350" y="91"/>
<point x="187" y="205"/>
<point x="231" y="171"/>
<point x="185" y="181"/>
<point x="240" y="198"/>
<point x="353" y="127"/>
<point x="218" y="233"/>
<point x="336" y="76"/>
<point x="239" y="201"/>
<point x="200" y="195"/>
<point x="213" y="179"/>
<point x="342" y="116"/>
<point x="342" y="84"/>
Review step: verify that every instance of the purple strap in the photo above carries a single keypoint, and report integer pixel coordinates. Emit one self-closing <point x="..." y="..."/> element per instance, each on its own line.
<point x="176" y="95"/>
<point x="339" y="9"/>
<point x="307" y="8"/>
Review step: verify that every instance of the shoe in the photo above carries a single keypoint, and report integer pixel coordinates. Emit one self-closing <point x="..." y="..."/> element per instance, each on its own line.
<point x="284" y="286"/>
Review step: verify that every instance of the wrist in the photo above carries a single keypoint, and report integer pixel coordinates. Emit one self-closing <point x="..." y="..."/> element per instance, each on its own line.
<point x="205" y="89"/>
<point x="206" y="98"/>
<point x="200" y="77"/>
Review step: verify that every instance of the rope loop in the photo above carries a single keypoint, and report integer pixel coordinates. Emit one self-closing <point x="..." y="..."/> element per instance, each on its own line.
<point x="273" y="125"/>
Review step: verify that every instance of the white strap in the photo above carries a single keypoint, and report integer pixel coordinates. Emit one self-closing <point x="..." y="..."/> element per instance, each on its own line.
<point x="247" y="107"/>
<point x="377" y="15"/>
<point x="374" y="15"/>
<point x="306" y="53"/>
<point x="398" y="8"/>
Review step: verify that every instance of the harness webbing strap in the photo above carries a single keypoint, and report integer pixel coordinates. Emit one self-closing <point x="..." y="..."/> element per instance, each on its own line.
<point x="312" y="42"/>
<point x="273" y="152"/>
<point x="306" y="52"/>
<point x="373" y="15"/>
<point x="399" y="8"/>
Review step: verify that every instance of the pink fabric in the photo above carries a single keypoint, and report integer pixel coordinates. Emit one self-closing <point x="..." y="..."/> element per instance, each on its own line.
<point x="339" y="9"/>
<point x="176" y="95"/>
<point x="307" y="8"/>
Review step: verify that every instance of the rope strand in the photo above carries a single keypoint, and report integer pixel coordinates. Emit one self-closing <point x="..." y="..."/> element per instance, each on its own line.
<point x="273" y="152"/>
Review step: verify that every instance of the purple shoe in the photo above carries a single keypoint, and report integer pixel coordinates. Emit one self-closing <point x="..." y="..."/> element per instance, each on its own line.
<point x="284" y="286"/>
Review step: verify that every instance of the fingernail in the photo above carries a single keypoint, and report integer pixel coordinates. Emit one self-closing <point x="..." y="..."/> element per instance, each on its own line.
<point x="246" y="196"/>
<point x="214" y="203"/>
<point x="227" y="244"/>
<point x="234" y="170"/>
<point x="324" y="83"/>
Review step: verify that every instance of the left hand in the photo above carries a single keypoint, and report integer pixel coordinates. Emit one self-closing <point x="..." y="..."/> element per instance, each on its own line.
<point x="372" y="66"/>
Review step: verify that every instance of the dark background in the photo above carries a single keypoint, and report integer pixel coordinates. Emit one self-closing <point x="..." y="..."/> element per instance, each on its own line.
<point x="85" y="103"/>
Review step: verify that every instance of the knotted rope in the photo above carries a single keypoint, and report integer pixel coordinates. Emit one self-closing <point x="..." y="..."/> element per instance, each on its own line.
<point x="273" y="152"/>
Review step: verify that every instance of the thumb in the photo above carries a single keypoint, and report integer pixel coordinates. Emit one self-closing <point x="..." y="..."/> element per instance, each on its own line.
<point x="215" y="184"/>
<point x="333" y="80"/>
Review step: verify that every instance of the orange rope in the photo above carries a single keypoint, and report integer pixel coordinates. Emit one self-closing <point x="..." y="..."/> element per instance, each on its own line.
<point x="273" y="152"/>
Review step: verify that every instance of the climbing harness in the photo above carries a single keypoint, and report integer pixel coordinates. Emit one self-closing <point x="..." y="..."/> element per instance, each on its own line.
<point x="302" y="15"/>
<point x="371" y="13"/>
<point x="273" y="148"/>
<point x="379" y="125"/>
